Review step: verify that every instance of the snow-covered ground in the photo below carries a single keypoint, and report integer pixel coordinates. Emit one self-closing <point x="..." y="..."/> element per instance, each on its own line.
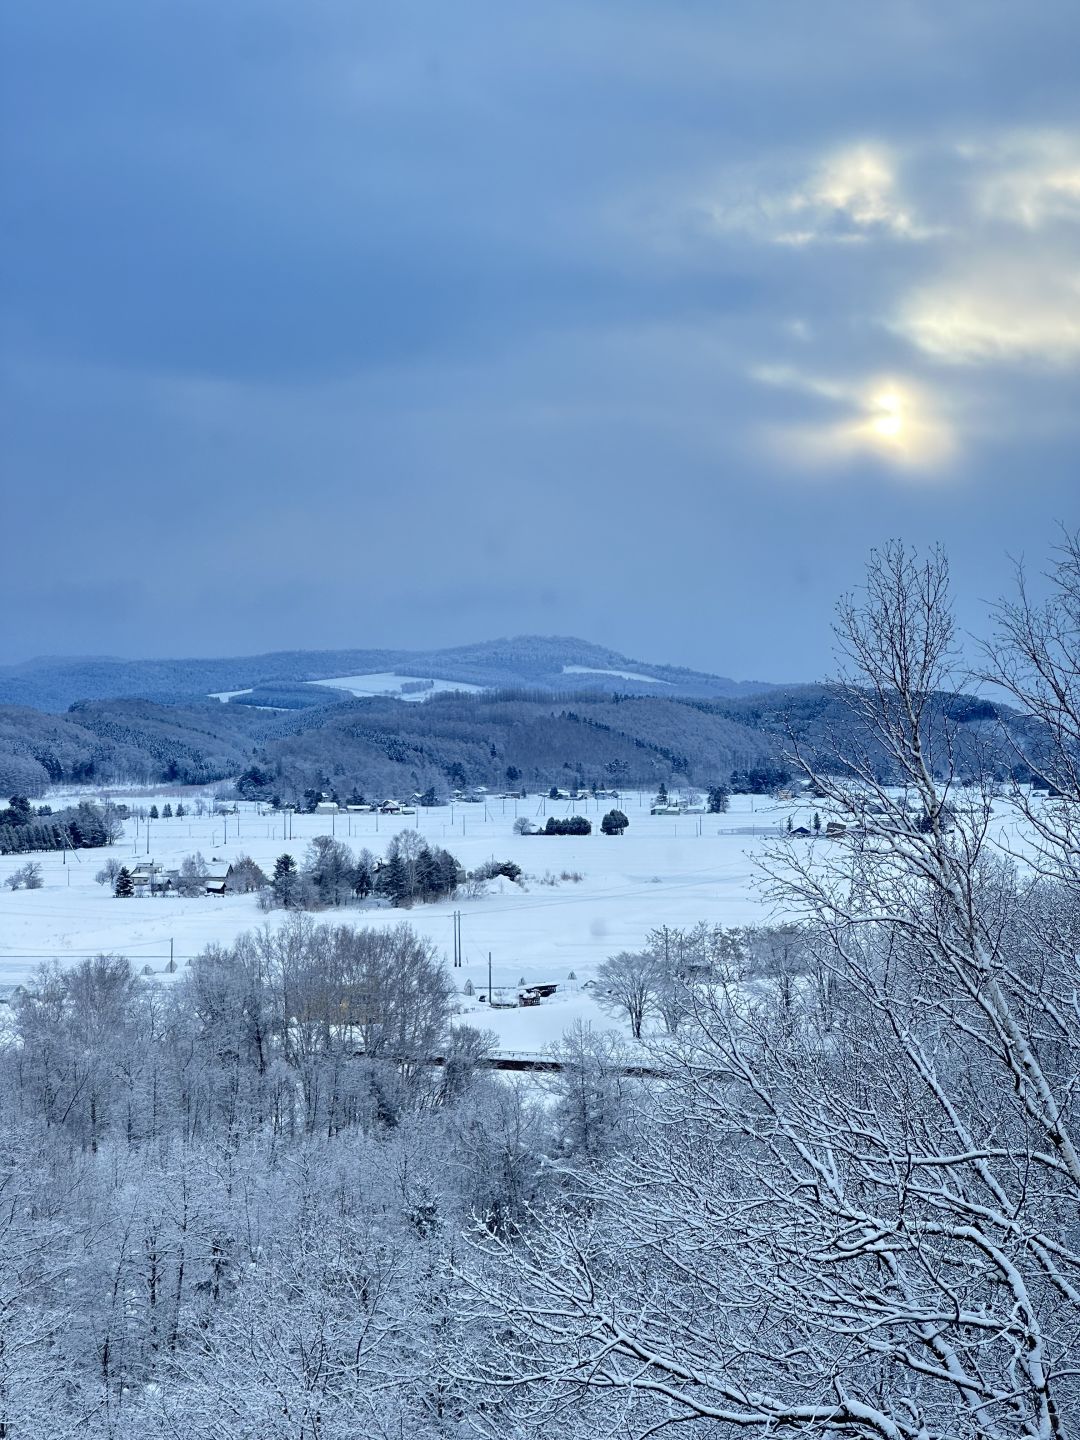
<point x="618" y="674"/>
<point x="389" y="683"/>
<point x="665" y="870"/>
<point x="226" y="695"/>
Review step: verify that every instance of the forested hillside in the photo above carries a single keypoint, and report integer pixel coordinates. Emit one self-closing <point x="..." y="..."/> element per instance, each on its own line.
<point x="135" y="740"/>
<point x="540" y="661"/>
<point x="502" y="739"/>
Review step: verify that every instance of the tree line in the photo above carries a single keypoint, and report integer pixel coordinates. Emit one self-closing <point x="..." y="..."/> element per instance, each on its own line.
<point x="85" y="826"/>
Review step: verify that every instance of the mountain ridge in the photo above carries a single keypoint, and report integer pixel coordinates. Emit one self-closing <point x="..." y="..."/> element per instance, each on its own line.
<point x="525" y="661"/>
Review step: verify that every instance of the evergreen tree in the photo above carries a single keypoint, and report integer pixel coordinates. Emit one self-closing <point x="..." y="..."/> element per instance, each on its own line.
<point x="449" y="869"/>
<point x="394" y="880"/>
<point x="125" y="886"/>
<point x="18" y="811"/>
<point x="286" y="881"/>
<point x="166" y="813"/>
<point x="719" y="797"/>
<point x="817" y="823"/>
<point x="180" y="811"/>
<point x="427" y="875"/>
<point x="614" y="823"/>
<point x="153" y="812"/>
<point x="364" y="874"/>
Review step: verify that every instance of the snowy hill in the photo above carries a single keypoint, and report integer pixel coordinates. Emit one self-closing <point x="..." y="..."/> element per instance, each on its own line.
<point x="551" y="664"/>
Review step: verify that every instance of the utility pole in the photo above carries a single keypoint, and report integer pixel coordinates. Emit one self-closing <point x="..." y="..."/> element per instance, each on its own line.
<point x="490" y="1002"/>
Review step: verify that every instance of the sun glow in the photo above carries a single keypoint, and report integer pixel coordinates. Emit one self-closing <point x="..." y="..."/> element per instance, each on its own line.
<point x="901" y="424"/>
<point x="888" y="415"/>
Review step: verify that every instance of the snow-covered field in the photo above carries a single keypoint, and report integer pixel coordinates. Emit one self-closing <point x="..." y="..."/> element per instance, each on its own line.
<point x="390" y="683"/>
<point x="618" y="674"/>
<point x="226" y="695"/>
<point x="663" y="870"/>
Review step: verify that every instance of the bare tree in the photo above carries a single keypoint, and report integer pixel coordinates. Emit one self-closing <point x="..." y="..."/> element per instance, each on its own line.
<point x="1035" y="658"/>
<point x="626" y="984"/>
<point x="851" y="1220"/>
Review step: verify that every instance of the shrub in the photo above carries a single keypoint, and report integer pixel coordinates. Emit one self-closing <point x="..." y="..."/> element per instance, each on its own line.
<point x="27" y="877"/>
<point x="614" y="823"/>
<point x="575" y="825"/>
<point x="491" y="869"/>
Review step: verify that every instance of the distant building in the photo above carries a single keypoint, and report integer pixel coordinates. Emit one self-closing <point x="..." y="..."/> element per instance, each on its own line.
<point x="216" y="879"/>
<point x="149" y="878"/>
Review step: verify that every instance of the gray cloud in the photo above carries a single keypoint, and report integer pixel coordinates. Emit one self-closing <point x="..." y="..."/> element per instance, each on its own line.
<point x="415" y="324"/>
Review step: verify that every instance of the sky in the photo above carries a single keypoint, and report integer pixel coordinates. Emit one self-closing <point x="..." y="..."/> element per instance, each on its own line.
<point x="416" y="324"/>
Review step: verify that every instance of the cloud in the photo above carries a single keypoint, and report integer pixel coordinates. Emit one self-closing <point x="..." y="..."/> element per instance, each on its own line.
<point x="1028" y="178"/>
<point x="853" y="195"/>
<point x="895" y="422"/>
<point x="1024" y="310"/>
<point x="850" y="195"/>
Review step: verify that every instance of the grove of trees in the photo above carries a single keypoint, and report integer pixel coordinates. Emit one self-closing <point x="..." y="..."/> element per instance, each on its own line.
<point x="78" y="827"/>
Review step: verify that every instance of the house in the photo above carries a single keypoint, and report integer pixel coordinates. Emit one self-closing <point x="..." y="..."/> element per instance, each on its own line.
<point x="542" y="992"/>
<point x="326" y="807"/>
<point x="216" y="879"/>
<point x="834" y="830"/>
<point x="151" y="879"/>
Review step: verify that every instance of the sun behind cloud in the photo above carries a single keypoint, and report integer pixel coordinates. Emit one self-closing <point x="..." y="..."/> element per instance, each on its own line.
<point x="888" y="420"/>
<point x="894" y="421"/>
